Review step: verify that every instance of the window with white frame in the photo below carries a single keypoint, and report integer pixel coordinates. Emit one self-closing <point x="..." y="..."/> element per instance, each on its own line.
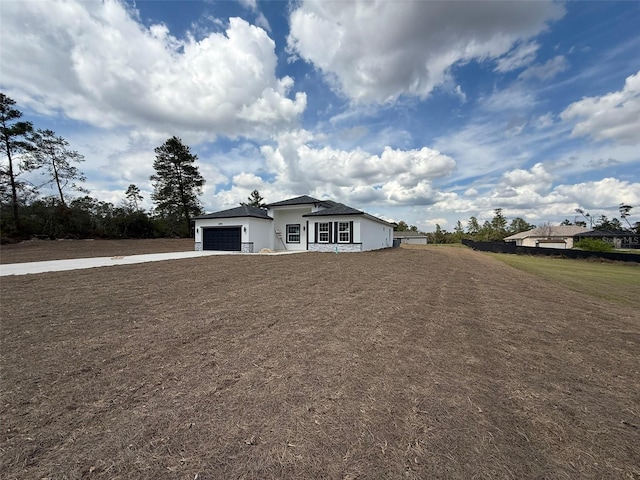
<point x="323" y="233"/>
<point x="293" y="233"/>
<point x="344" y="232"/>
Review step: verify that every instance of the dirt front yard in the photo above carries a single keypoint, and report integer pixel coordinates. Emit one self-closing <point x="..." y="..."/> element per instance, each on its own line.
<point x="431" y="363"/>
<point x="44" y="250"/>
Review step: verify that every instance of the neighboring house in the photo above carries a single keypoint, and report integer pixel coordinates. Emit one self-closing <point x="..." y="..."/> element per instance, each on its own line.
<point x="301" y="223"/>
<point x="560" y="236"/>
<point x="619" y="238"/>
<point x="409" y="237"/>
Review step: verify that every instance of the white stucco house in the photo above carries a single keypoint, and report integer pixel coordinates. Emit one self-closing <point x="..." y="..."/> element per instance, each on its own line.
<point x="302" y="223"/>
<point x="560" y="236"/>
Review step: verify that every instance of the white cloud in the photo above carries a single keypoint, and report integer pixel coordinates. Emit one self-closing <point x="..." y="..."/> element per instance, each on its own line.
<point x="250" y="4"/>
<point x="546" y="70"/>
<point x="97" y="63"/>
<point x="460" y="93"/>
<point x="539" y="201"/>
<point x="536" y="179"/>
<point x="262" y="22"/>
<point x="378" y="51"/>
<point x="514" y="98"/>
<point x="608" y="192"/>
<point x="544" y="121"/>
<point x="432" y="222"/>
<point x="614" y="116"/>
<point x="394" y="176"/>
<point x="519" y="57"/>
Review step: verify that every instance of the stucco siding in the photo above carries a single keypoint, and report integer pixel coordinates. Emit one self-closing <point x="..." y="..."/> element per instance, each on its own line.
<point x="414" y="241"/>
<point x="289" y="216"/>
<point x="375" y="235"/>
<point x="260" y="233"/>
<point x="253" y="230"/>
<point x="367" y="235"/>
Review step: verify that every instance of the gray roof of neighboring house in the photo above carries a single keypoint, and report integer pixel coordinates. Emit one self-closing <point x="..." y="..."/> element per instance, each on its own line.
<point x="241" y="211"/>
<point x="301" y="200"/>
<point x="549" y="231"/>
<point x="607" y="233"/>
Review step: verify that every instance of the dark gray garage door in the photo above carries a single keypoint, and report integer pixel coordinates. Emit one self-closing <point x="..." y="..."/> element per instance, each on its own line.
<point x="221" y="238"/>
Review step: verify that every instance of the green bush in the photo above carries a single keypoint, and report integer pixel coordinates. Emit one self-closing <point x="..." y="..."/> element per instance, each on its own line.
<point x="593" y="245"/>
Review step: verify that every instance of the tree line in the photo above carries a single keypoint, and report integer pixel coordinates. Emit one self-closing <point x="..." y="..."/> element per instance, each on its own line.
<point x="499" y="227"/>
<point x="177" y="185"/>
<point x="26" y="213"/>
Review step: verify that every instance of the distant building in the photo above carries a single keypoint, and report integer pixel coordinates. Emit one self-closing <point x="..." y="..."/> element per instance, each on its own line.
<point x="547" y="236"/>
<point x="410" y="238"/>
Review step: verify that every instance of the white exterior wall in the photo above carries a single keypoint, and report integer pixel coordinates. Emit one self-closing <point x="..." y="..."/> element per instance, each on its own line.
<point x="414" y="240"/>
<point x="260" y="233"/>
<point x="375" y="235"/>
<point x="533" y="242"/>
<point x="253" y="230"/>
<point x="283" y="216"/>
<point x="367" y="234"/>
<point x="559" y="245"/>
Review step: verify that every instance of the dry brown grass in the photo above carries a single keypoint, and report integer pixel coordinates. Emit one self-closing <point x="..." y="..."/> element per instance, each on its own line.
<point x="433" y="363"/>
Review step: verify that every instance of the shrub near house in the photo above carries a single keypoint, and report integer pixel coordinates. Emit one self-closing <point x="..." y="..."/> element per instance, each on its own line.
<point x="593" y="245"/>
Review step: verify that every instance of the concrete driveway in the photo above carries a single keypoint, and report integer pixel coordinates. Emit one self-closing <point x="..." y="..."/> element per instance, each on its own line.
<point x="82" y="263"/>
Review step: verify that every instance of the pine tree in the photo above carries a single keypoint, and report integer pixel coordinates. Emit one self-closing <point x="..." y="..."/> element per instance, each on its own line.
<point x="255" y="200"/>
<point x="13" y="142"/>
<point x="177" y="182"/>
<point x="133" y="197"/>
<point x="52" y="154"/>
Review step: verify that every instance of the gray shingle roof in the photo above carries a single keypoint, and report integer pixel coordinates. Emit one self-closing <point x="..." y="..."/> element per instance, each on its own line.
<point x="331" y="208"/>
<point x="340" y="209"/>
<point x="301" y="200"/>
<point x="241" y="211"/>
<point x="335" y="209"/>
<point x="607" y="233"/>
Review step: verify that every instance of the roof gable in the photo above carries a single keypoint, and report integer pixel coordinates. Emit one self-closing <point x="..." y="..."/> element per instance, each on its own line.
<point x="335" y="209"/>
<point x="241" y="211"/>
<point x="301" y="200"/>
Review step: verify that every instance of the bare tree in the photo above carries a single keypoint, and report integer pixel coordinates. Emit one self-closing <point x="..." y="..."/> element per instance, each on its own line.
<point x="545" y="229"/>
<point x="625" y="212"/>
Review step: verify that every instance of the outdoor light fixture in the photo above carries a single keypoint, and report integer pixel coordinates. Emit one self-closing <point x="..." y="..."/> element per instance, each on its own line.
<point x="245" y="229"/>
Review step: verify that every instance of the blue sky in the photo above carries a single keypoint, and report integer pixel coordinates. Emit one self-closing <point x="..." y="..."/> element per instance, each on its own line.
<point x="428" y="112"/>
